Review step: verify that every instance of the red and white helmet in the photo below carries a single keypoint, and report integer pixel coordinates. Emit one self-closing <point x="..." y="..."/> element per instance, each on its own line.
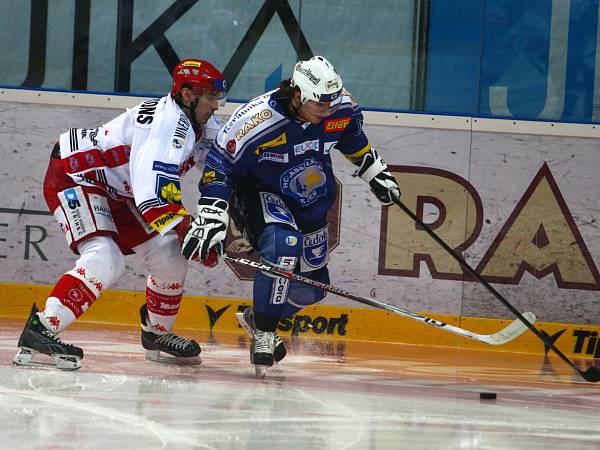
<point x="200" y="76"/>
<point x="317" y="79"/>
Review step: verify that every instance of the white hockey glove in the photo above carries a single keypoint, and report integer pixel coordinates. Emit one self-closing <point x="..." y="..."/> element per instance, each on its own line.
<point x="207" y="230"/>
<point x="374" y="171"/>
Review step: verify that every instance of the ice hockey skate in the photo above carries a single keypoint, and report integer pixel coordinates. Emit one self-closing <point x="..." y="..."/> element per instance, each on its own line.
<point x="37" y="339"/>
<point x="246" y="320"/>
<point x="180" y="350"/>
<point x="263" y="350"/>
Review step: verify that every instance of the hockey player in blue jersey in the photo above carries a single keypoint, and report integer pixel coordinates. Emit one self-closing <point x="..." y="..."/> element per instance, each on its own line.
<point x="270" y="169"/>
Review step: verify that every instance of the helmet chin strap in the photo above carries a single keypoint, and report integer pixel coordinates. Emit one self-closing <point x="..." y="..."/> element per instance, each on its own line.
<point x="189" y="111"/>
<point x="295" y="110"/>
<point x="286" y="102"/>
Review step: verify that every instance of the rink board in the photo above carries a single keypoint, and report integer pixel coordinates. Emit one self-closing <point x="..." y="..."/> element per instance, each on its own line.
<point x="518" y="199"/>
<point x="332" y="323"/>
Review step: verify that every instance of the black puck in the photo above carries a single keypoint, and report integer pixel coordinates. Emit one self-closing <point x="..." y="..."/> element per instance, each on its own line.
<point x="487" y="395"/>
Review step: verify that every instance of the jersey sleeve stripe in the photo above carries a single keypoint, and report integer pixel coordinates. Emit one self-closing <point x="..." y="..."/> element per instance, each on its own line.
<point x="73" y="139"/>
<point x="357" y="157"/>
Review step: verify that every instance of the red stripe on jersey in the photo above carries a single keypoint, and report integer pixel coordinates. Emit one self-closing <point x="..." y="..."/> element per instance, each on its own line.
<point x="96" y="159"/>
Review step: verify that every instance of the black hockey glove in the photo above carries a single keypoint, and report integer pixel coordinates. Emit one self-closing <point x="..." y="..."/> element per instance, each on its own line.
<point x="375" y="172"/>
<point x="208" y="230"/>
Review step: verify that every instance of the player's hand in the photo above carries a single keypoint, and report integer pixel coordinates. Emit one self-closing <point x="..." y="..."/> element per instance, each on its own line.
<point x="374" y="171"/>
<point x="207" y="231"/>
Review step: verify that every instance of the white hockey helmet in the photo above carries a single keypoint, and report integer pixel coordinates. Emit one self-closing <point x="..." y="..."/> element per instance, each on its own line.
<point x="317" y="80"/>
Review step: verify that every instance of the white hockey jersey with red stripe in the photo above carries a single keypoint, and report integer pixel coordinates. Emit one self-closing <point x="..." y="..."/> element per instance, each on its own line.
<point x="140" y="154"/>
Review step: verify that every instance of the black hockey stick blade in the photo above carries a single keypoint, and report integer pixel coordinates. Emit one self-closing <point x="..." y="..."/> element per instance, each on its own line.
<point x="592" y="374"/>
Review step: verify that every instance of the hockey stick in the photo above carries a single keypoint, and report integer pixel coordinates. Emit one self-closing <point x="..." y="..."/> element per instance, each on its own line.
<point x="592" y="374"/>
<point x="507" y="334"/>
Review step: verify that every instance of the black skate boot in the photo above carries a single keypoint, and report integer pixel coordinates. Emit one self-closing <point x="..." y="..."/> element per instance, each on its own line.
<point x="184" y="351"/>
<point x="36" y="338"/>
<point x="246" y="320"/>
<point x="261" y="351"/>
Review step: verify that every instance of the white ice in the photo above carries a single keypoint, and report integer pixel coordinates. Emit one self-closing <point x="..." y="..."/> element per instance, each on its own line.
<point x="320" y="396"/>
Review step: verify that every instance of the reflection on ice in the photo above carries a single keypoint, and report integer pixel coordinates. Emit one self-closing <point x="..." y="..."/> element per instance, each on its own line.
<point x="324" y="395"/>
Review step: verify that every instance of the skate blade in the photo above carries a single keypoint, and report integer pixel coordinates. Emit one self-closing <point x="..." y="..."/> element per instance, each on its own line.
<point x="244" y="324"/>
<point x="157" y="356"/>
<point x="62" y="362"/>
<point x="260" y="371"/>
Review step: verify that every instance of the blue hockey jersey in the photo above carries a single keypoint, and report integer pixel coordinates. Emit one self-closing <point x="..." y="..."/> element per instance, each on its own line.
<point x="283" y="155"/>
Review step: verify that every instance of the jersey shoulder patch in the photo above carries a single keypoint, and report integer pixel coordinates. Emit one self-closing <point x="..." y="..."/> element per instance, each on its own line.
<point x="248" y="122"/>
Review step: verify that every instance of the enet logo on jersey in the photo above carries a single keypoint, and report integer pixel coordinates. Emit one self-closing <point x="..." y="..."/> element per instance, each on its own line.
<point x="275" y="157"/>
<point x="333" y="125"/>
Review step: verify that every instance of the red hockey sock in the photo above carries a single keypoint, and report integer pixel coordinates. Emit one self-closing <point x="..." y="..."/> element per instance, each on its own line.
<point x="163" y="300"/>
<point x="74" y="293"/>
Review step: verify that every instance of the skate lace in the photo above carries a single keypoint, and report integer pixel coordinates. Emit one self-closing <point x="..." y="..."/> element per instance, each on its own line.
<point x="174" y="341"/>
<point x="55" y="338"/>
<point x="249" y="318"/>
<point x="265" y="342"/>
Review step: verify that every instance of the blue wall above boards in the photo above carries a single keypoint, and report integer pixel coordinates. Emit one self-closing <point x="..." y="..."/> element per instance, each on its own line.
<point x="529" y="60"/>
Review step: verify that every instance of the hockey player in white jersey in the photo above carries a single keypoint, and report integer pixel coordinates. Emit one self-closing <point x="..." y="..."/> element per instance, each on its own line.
<point x="115" y="190"/>
<point x="270" y="169"/>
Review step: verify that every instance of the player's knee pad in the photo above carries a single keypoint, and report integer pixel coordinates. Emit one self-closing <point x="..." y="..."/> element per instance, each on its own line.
<point x="301" y="295"/>
<point x="279" y="241"/>
<point x="281" y="246"/>
<point x="162" y="255"/>
<point x="103" y="258"/>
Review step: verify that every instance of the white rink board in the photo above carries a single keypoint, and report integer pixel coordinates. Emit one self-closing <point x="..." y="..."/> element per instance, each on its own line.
<point x="499" y="166"/>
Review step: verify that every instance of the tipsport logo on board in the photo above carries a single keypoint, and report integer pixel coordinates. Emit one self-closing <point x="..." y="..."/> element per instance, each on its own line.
<point x="307" y="324"/>
<point x="586" y="343"/>
<point x="237" y="246"/>
<point x="320" y="325"/>
<point x="580" y="341"/>
<point x="539" y="236"/>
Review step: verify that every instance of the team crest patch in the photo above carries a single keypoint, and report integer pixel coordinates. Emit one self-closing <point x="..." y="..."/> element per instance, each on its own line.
<point x="167" y="190"/>
<point x="305" y="182"/>
<point x="275" y="210"/>
<point x="314" y="250"/>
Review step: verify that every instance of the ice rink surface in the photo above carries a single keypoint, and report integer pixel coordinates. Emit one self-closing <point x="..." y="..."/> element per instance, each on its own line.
<point x="322" y="396"/>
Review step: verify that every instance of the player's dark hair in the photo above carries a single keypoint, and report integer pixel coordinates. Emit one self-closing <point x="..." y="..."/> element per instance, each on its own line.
<point x="285" y="93"/>
<point x="189" y="110"/>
